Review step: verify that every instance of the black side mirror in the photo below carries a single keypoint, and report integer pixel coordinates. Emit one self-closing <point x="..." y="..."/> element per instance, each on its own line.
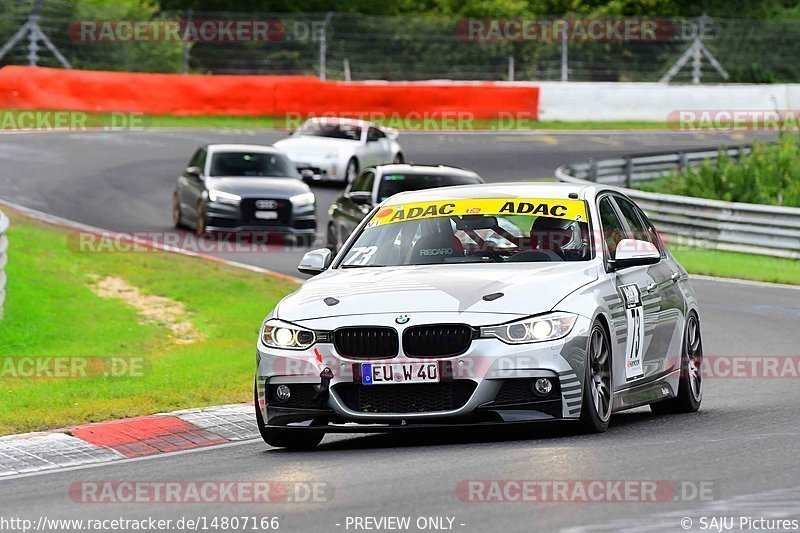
<point x="361" y="198"/>
<point x="193" y="172"/>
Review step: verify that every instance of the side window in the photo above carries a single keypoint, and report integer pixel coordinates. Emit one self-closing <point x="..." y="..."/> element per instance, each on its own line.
<point x="631" y="216"/>
<point x="653" y="235"/>
<point x="195" y="160"/>
<point x="613" y="231"/>
<point x="363" y="183"/>
<point x="374" y="134"/>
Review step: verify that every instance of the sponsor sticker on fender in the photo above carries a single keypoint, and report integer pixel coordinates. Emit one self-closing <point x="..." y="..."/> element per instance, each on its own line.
<point x="549" y="207"/>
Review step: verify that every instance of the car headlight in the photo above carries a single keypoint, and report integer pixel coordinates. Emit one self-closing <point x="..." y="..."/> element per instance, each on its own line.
<point x="224" y="197"/>
<point x="535" y="329"/>
<point x="279" y="334"/>
<point x="301" y="200"/>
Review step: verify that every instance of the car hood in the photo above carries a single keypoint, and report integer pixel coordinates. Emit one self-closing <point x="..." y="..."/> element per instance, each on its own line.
<point x="528" y="289"/>
<point x="299" y="146"/>
<point x="258" y="187"/>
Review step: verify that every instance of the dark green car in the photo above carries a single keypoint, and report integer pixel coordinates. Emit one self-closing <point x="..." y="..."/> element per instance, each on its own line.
<point x="375" y="184"/>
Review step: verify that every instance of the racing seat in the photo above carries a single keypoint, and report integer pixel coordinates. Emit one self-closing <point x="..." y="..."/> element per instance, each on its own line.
<point x="435" y="248"/>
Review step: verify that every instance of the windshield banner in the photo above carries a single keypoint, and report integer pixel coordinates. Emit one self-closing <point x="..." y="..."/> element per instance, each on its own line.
<point x="548" y="207"/>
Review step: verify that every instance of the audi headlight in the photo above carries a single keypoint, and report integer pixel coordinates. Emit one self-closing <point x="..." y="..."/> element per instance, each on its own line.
<point x="223" y="197"/>
<point x="302" y="200"/>
<point x="536" y="329"/>
<point x="279" y="334"/>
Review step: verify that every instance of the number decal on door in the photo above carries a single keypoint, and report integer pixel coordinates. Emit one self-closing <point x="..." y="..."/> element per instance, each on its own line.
<point x="634" y="342"/>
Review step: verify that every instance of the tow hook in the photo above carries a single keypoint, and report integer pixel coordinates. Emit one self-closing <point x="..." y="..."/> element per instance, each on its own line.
<point x="323" y="389"/>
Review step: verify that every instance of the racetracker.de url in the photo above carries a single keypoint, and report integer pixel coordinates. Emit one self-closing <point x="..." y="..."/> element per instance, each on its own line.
<point x="44" y="524"/>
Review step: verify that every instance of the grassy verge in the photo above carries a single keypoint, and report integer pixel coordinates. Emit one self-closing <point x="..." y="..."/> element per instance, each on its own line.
<point x="50" y="311"/>
<point x="13" y="119"/>
<point x="769" y="175"/>
<point x="737" y="265"/>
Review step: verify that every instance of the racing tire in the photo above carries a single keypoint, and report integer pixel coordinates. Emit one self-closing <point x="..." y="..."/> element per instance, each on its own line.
<point x="399" y="159"/>
<point x="350" y="171"/>
<point x="286" y="438"/>
<point x="200" y="225"/>
<point x="177" y="216"/>
<point x="597" y="383"/>
<point x="690" y="387"/>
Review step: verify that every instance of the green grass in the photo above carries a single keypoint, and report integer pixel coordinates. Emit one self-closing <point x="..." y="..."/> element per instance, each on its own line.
<point x="50" y="311"/>
<point x="769" y="175"/>
<point x="737" y="265"/>
<point x="286" y="123"/>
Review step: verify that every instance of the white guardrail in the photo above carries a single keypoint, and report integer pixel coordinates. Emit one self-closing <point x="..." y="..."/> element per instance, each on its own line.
<point x="739" y="227"/>
<point x="3" y="259"/>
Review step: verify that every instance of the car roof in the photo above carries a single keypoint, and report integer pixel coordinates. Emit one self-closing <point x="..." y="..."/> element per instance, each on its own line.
<point x="496" y="190"/>
<point x="342" y="120"/>
<point x="427" y="169"/>
<point x="260" y="148"/>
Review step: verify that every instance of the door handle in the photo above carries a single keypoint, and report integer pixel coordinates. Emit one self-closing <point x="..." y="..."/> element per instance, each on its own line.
<point x="651" y="287"/>
<point x="675" y="276"/>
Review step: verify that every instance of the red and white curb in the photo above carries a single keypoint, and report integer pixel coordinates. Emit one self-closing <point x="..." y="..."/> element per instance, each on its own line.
<point x="126" y="439"/>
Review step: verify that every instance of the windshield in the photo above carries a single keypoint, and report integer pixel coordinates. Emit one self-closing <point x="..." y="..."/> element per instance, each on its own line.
<point x="257" y="164"/>
<point x="473" y="231"/>
<point x="395" y="183"/>
<point x="331" y="130"/>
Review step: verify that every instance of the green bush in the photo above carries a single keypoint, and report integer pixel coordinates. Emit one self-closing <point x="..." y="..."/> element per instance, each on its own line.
<point x="770" y="174"/>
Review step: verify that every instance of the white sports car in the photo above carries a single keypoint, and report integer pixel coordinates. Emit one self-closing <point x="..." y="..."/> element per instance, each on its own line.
<point x="335" y="149"/>
<point x="482" y="304"/>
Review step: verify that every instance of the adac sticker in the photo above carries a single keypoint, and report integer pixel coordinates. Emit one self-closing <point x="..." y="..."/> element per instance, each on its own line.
<point x="549" y="207"/>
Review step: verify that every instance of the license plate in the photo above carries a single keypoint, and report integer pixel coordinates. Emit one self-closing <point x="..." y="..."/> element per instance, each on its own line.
<point x="395" y="373"/>
<point x="267" y="215"/>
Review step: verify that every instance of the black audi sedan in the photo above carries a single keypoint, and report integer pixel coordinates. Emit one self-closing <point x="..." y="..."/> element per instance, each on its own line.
<point x="243" y="187"/>
<point x="378" y="183"/>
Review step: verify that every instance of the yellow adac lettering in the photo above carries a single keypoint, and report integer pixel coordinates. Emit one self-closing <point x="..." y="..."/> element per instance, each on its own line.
<point x="414" y="212"/>
<point x="558" y="210"/>
<point x="447" y="209"/>
<point x="430" y="211"/>
<point x="541" y="209"/>
<point x="398" y="215"/>
<point x="508" y="207"/>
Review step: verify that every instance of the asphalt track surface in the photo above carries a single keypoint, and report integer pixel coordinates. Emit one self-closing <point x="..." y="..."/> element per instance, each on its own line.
<point x="745" y="440"/>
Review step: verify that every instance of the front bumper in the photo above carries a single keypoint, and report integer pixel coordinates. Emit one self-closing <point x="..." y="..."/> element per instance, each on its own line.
<point x="322" y="169"/>
<point x="291" y="220"/>
<point x="489" y="384"/>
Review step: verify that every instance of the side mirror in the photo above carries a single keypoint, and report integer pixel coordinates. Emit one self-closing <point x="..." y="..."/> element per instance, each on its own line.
<point x="633" y="252"/>
<point x="361" y="198"/>
<point x="315" y="262"/>
<point x="193" y="172"/>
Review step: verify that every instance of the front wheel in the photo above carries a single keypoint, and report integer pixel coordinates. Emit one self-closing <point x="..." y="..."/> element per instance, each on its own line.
<point x="351" y="171"/>
<point x="286" y="438"/>
<point x="333" y="239"/>
<point x="690" y="388"/>
<point x="596" y="406"/>
<point x="177" y="216"/>
<point x="200" y="226"/>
